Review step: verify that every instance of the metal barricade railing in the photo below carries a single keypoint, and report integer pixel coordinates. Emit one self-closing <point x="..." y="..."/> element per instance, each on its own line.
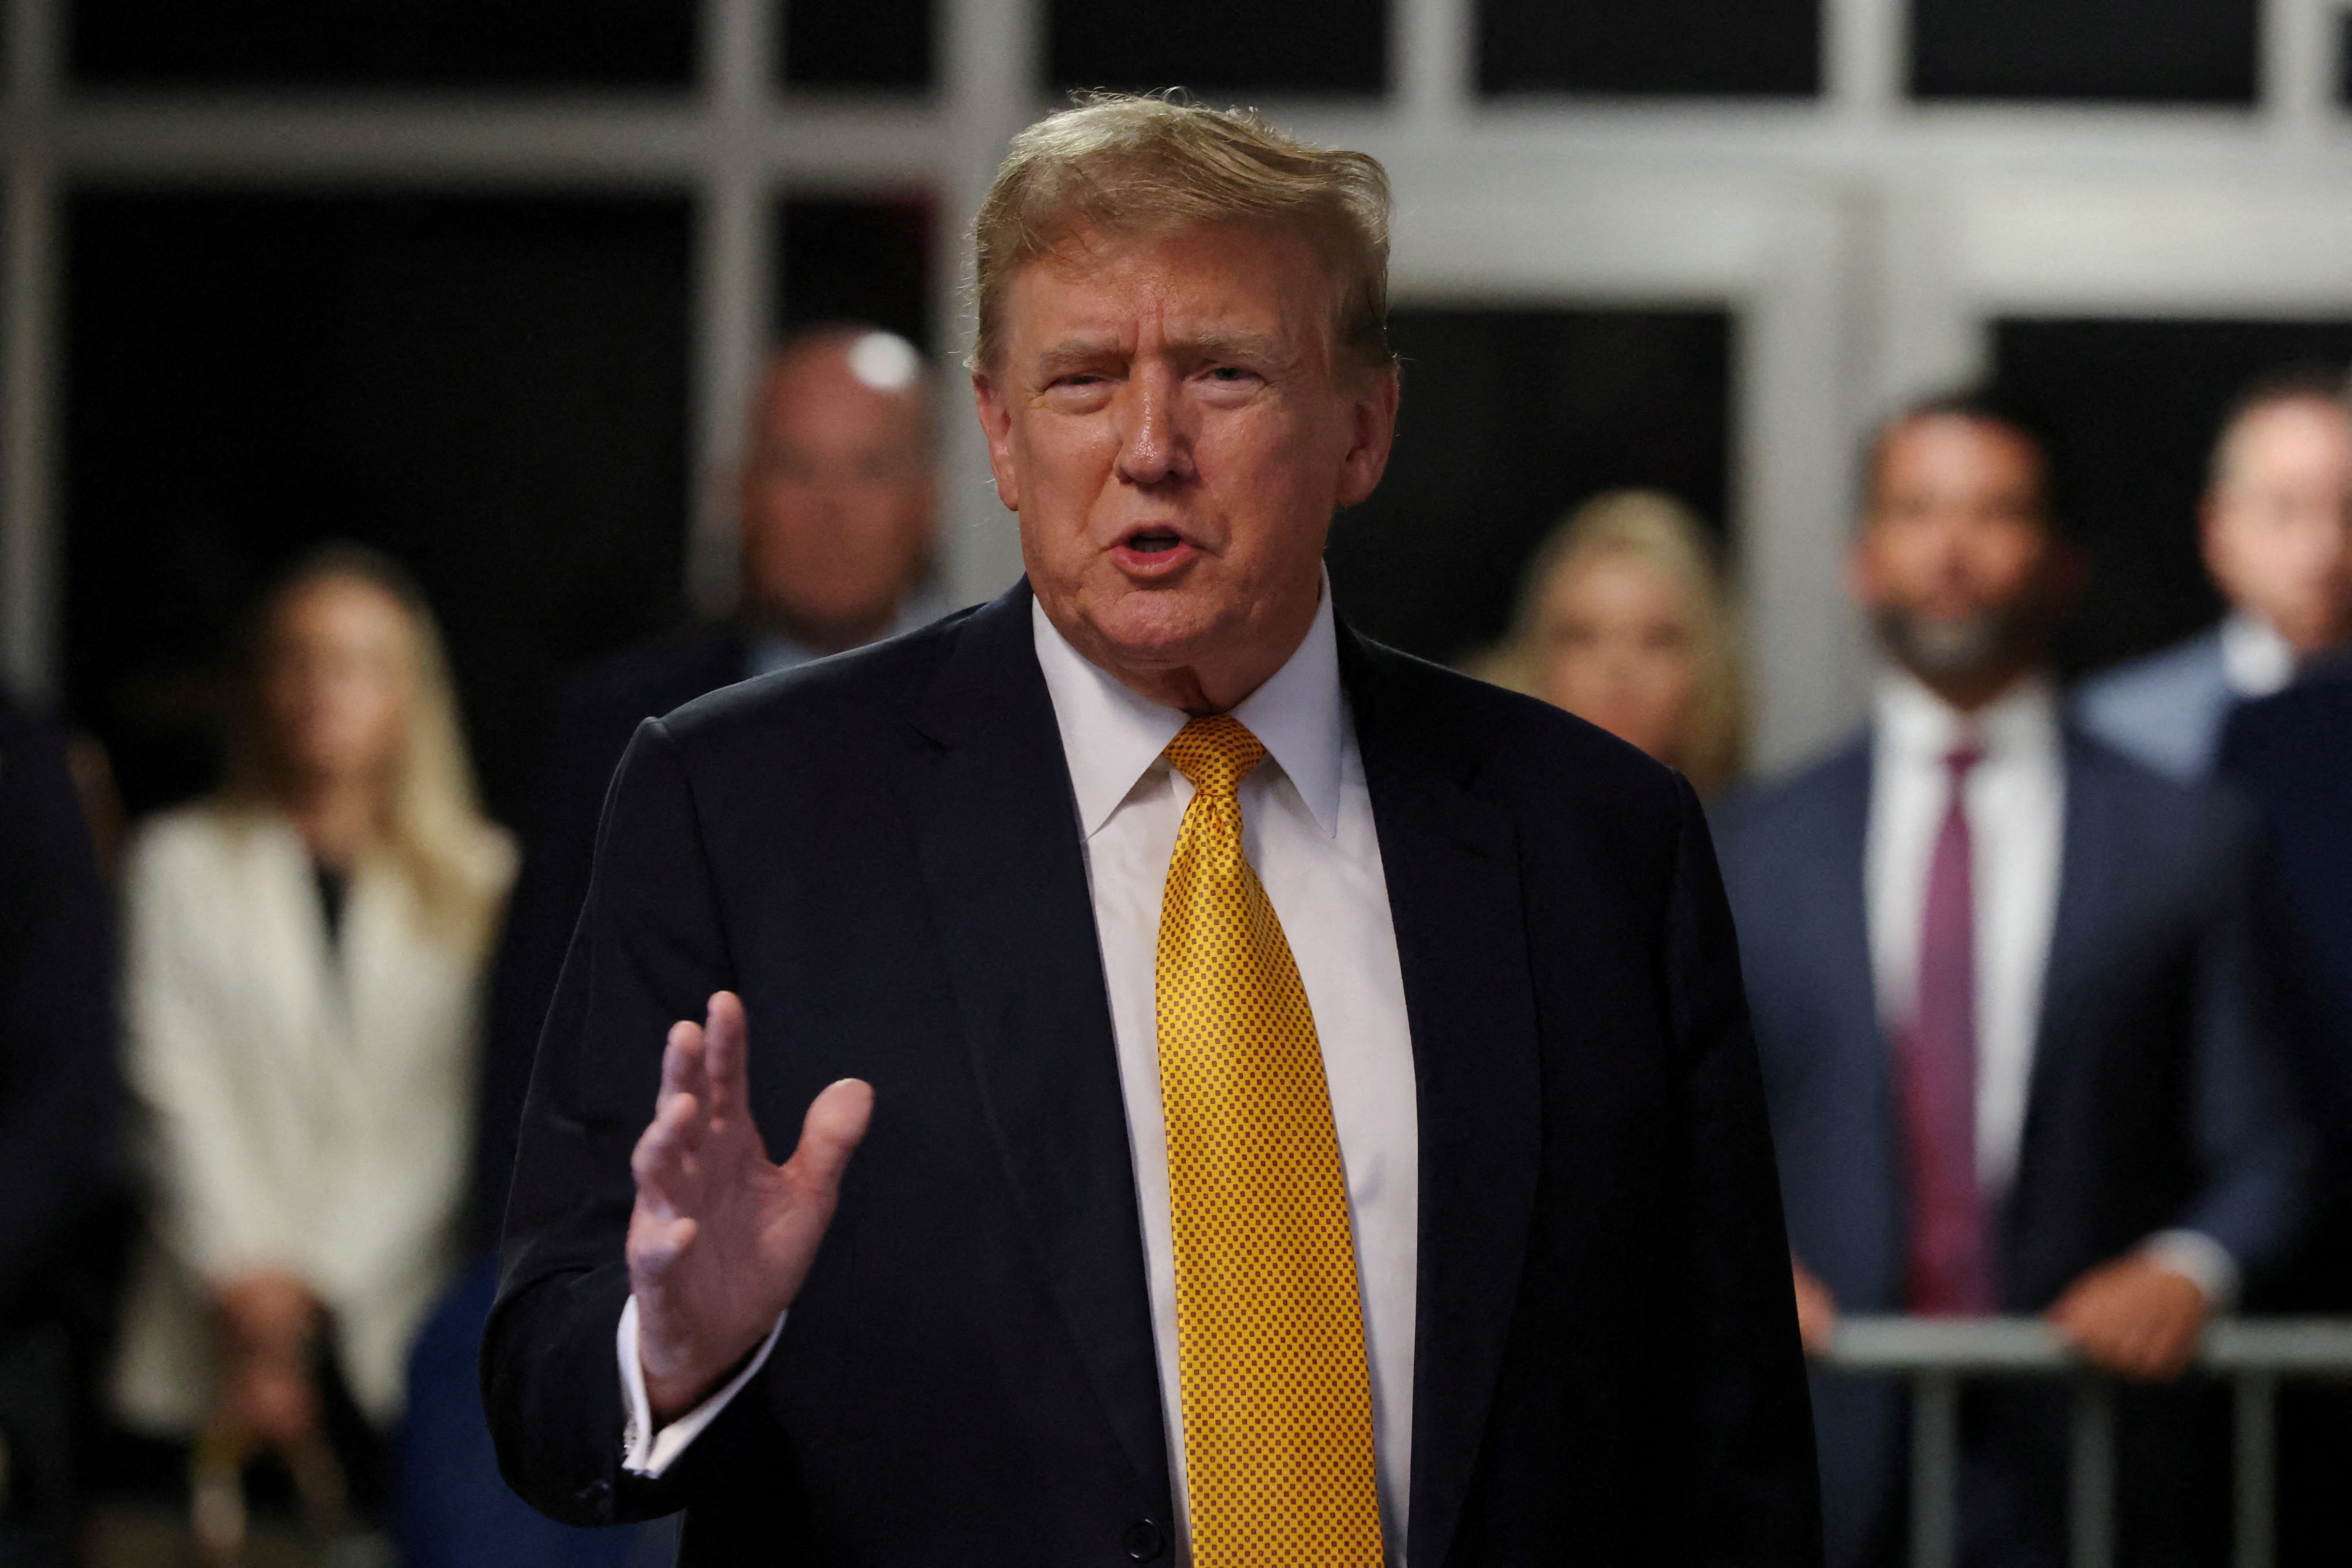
<point x="1936" y="1355"/>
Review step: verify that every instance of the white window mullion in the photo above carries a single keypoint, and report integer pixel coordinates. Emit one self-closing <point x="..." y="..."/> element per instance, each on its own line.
<point x="31" y="307"/>
<point x="734" y="202"/>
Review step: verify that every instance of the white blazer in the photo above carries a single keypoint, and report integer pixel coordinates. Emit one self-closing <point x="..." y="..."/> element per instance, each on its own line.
<point x="302" y="1113"/>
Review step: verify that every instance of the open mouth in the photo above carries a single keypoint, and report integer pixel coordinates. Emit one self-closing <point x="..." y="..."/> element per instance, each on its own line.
<point x="1153" y="541"/>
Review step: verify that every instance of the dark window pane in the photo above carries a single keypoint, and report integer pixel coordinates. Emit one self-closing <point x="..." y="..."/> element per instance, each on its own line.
<point x="383" y="43"/>
<point x="850" y="260"/>
<point x="494" y="391"/>
<point x="2141" y="51"/>
<point x="1219" y="47"/>
<point x="2131" y="408"/>
<point x="871" y="44"/>
<point x="1717" y="48"/>
<point x="1512" y="417"/>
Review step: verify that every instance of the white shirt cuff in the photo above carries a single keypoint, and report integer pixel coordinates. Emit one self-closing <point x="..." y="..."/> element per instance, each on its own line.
<point x="2199" y="1259"/>
<point x="645" y="1451"/>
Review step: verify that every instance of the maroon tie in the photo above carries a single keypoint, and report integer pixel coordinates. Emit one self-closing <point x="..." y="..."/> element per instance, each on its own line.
<point x="1950" y="1273"/>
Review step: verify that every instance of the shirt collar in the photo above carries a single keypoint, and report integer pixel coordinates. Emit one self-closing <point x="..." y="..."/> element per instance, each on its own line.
<point x="1111" y="736"/>
<point x="769" y="652"/>
<point x="1915" y="723"/>
<point x="2256" y="660"/>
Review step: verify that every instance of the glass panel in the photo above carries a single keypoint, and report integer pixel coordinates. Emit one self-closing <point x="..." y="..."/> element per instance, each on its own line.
<point x="1219" y="47"/>
<point x="492" y="391"/>
<point x="850" y="260"/>
<point x="2131" y="408"/>
<point x="2143" y="51"/>
<point x="881" y="44"/>
<point x="1511" y="418"/>
<point x="383" y="43"/>
<point x="1711" y="47"/>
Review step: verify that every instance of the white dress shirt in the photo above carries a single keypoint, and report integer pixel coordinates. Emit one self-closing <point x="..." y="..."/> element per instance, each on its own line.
<point x="1309" y="832"/>
<point x="2256" y="660"/>
<point x="2016" y="803"/>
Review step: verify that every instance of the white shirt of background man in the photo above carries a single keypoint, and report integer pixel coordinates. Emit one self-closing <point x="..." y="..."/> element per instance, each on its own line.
<point x="2016" y="803"/>
<point x="1307" y="829"/>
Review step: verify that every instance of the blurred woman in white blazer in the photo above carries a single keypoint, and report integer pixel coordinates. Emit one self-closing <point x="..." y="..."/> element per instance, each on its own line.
<point x="304" y="956"/>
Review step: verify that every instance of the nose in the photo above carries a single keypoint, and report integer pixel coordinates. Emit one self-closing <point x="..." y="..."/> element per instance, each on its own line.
<point x="1155" y="442"/>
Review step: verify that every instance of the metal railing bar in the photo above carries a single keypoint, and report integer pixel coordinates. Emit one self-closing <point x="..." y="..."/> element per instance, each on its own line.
<point x="1935" y="1470"/>
<point x="2291" y="1347"/>
<point x="2254" y="1469"/>
<point x="2091" y="1475"/>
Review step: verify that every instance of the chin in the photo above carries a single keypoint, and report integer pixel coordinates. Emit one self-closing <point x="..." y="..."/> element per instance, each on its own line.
<point x="1162" y="627"/>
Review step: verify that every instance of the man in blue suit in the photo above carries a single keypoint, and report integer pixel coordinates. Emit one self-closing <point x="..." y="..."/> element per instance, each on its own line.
<point x="2003" y="998"/>
<point x="2276" y="530"/>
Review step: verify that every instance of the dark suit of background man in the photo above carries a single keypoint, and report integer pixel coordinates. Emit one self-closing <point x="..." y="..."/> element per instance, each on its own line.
<point x="2010" y="1029"/>
<point x="60" y="1098"/>
<point x="1478" y="1257"/>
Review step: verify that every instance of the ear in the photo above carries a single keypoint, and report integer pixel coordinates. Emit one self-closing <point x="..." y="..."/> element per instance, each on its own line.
<point x="2209" y="530"/>
<point x="996" y="423"/>
<point x="1372" y="416"/>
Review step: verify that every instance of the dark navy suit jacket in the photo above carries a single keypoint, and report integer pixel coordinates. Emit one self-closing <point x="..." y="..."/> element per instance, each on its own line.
<point x="881" y="853"/>
<point x="2156" y="1098"/>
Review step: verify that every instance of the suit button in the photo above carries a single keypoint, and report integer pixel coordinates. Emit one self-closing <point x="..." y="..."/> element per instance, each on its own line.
<point x="1144" y="1541"/>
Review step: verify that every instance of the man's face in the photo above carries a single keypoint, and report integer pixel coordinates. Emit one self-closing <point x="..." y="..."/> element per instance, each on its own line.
<point x="2278" y="522"/>
<point x="1955" y="555"/>
<point x="1167" y="416"/>
<point x="836" y="497"/>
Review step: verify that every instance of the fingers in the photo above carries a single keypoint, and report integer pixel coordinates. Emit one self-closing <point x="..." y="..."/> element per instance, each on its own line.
<point x="724" y="1055"/>
<point x="660" y="1162"/>
<point x="830" y="1133"/>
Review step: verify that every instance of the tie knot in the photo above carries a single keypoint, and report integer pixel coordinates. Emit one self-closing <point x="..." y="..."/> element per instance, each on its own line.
<point x="1961" y="758"/>
<point x="1216" y="753"/>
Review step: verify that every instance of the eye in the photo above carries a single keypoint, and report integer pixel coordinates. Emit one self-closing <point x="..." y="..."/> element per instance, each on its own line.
<point x="1230" y="375"/>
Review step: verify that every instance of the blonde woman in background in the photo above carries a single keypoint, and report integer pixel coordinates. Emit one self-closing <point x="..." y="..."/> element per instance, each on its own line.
<point x="304" y="952"/>
<point x="1622" y="620"/>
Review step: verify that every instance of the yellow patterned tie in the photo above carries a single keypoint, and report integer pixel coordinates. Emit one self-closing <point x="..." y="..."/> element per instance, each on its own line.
<point x="1270" y="1334"/>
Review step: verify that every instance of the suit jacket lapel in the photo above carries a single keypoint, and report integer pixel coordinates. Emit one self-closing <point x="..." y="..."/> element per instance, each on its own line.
<point x="1005" y="868"/>
<point x="1451" y="861"/>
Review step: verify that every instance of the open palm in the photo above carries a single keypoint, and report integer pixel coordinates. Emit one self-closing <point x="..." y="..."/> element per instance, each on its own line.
<point x="721" y="1237"/>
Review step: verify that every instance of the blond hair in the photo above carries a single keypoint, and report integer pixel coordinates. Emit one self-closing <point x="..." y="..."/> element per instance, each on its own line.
<point x="456" y="861"/>
<point x="1651" y="527"/>
<point x="1125" y="164"/>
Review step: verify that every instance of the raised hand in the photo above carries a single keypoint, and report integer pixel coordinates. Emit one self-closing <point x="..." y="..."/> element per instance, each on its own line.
<point x="721" y="1237"/>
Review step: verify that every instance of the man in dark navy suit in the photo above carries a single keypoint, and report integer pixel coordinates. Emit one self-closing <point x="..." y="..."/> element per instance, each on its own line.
<point x="1243" y="1075"/>
<point x="2014" y="1044"/>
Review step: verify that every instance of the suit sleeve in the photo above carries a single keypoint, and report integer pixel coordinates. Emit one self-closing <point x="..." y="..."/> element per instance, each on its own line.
<point x="1739" y="1419"/>
<point x="649" y="950"/>
<point x="2258" y="1155"/>
<point x="60" y="1094"/>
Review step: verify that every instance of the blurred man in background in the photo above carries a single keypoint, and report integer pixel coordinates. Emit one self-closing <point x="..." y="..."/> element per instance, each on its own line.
<point x="60" y="1099"/>
<point x="2011" y="1055"/>
<point x="836" y="496"/>
<point x="2276" y="527"/>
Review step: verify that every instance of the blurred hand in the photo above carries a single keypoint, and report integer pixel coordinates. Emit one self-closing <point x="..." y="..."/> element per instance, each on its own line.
<point x="1817" y="1309"/>
<point x="269" y="1324"/>
<point x="2133" y="1318"/>
<point x="722" y="1237"/>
